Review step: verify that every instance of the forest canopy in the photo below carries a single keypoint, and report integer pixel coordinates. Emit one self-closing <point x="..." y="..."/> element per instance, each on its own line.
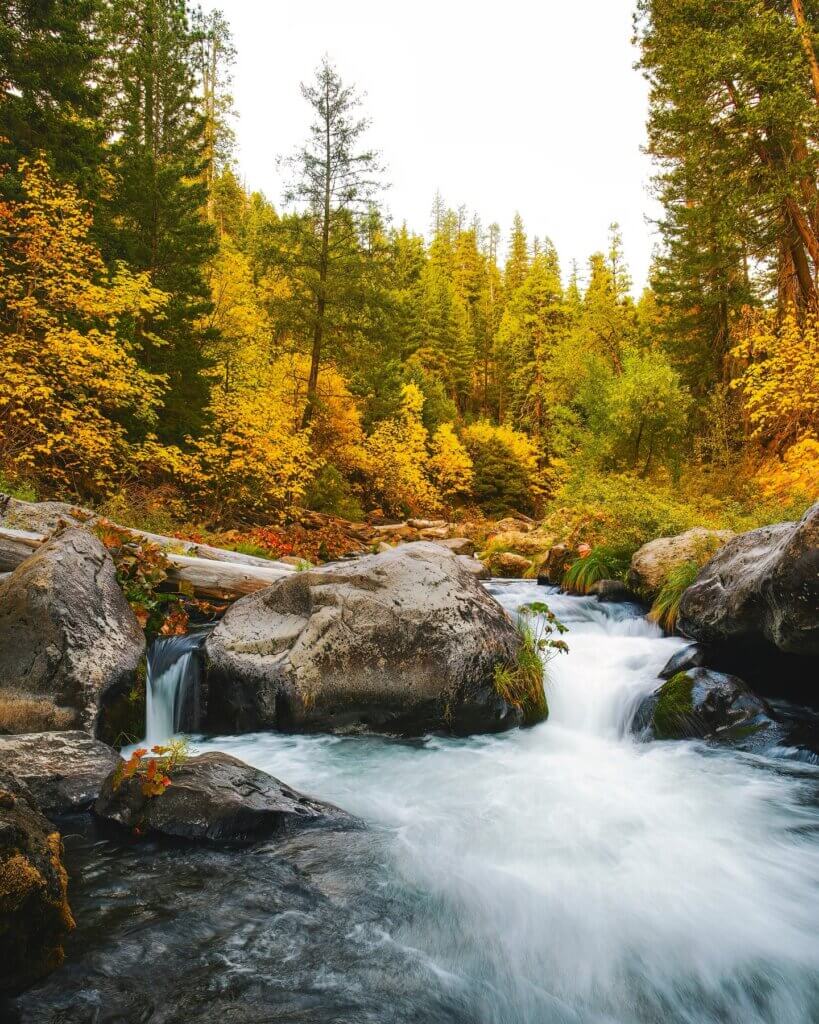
<point x="167" y="335"/>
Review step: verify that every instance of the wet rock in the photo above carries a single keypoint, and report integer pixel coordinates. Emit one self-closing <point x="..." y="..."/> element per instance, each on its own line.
<point x="702" y="704"/>
<point x="403" y="642"/>
<point x="613" y="592"/>
<point x="692" y="656"/>
<point x="34" y="913"/>
<point x="651" y="563"/>
<point x="67" y="636"/>
<point x="508" y="565"/>
<point x="554" y="565"/>
<point x="216" y="798"/>
<point x="63" y="770"/>
<point x="762" y="586"/>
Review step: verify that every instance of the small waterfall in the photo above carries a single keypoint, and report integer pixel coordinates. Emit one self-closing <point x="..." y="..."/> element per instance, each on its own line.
<point x="172" y="687"/>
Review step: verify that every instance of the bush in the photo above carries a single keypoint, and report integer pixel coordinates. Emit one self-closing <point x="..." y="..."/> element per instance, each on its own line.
<point x="331" y="494"/>
<point x="505" y="469"/>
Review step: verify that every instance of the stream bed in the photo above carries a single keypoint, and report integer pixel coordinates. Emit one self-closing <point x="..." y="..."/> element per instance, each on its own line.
<point x="564" y="873"/>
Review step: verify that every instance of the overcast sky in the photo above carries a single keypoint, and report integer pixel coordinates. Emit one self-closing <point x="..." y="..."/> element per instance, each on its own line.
<point x="502" y="106"/>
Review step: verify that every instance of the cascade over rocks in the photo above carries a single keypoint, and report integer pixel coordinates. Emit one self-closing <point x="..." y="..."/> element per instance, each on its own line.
<point x="651" y="563"/>
<point x="34" y="913"/>
<point x="63" y="770"/>
<point x="68" y="637"/>
<point x="217" y="798"/>
<point x="700" y="703"/>
<point x="762" y="585"/>
<point x="402" y="642"/>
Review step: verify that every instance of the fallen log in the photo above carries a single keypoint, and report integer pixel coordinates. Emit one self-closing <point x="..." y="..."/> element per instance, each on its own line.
<point x="206" y="577"/>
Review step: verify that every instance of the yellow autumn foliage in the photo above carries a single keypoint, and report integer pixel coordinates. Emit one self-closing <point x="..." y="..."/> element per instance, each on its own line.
<point x="450" y="467"/>
<point x="69" y="330"/>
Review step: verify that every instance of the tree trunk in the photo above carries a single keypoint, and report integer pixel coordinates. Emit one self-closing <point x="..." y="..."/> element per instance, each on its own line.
<point x="324" y="259"/>
<point x="807" y="45"/>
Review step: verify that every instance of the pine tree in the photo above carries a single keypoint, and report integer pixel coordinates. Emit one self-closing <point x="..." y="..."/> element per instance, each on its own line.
<point x="49" y="54"/>
<point x="517" y="261"/>
<point x="155" y="219"/>
<point x="335" y="182"/>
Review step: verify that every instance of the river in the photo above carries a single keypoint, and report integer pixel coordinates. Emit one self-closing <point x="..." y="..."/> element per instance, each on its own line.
<point x="564" y="873"/>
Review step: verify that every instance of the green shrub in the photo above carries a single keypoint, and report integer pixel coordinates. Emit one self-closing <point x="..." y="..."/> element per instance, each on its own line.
<point x="666" y="605"/>
<point x="601" y="563"/>
<point x="331" y="494"/>
<point x="17" y="488"/>
<point x="522" y="683"/>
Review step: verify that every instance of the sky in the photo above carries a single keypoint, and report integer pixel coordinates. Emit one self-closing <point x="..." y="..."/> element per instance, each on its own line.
<point x="506" y="106"/>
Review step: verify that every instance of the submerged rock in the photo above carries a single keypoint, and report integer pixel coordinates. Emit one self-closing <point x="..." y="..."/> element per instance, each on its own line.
<point x="34" y="913"/>
<point x="63" y="770"/>
<point x="651" y="563"/>
<point x="762" y="586"/>
<point x="402" y="642"/>
<point x="218" y="798"/>
<point x="613" y="592"/>
<point x="67" y="636"/>
<point x="700" y="703"/>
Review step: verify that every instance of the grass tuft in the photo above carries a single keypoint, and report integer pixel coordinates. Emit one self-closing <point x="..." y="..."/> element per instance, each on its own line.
<point x="522" y="683"/>
<point x="601" y="563"/>
<point x="666" y="607"/>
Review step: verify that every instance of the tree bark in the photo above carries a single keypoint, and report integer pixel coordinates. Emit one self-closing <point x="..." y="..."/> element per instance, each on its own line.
<point x="807" y="45"/>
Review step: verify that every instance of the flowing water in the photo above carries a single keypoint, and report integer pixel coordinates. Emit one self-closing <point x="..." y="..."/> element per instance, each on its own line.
<point x="565" y="873"/>
<point x="172" y="686"/>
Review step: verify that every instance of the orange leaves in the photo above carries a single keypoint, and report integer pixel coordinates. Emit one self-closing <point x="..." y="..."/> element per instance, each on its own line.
<point x="155" y="772"/>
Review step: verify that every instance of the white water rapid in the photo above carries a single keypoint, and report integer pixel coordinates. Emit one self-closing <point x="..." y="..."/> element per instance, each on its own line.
<point x="569" y="873"/>
<point x="170" y="686"/>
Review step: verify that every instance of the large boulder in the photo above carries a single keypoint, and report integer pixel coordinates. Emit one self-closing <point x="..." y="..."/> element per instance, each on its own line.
<point x="701" y="703"/>
<point x="402" y="642"/>
<point x="651" y="563"/>
<point x="216" y="798"/>
<point x="34" y="913"/>
<point x="67" y="636"/>
<point x="762" y="586"/>
<point x="63" y="770"/>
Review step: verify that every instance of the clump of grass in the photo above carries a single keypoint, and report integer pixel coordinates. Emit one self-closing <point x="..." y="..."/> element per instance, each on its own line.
<point x="26" y="714"/>
<point x="666" y="607"/>
<point x="247" y="547"/>
<point x="522" y="683"/>
<point x="601" y="563"/>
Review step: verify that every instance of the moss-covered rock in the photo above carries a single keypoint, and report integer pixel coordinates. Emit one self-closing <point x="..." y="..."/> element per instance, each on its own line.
<point x="34" y="913"/>
<point x="700" y="703"/>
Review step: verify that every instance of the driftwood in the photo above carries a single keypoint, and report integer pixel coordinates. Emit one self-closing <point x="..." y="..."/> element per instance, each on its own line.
<point x="209" y="576"/>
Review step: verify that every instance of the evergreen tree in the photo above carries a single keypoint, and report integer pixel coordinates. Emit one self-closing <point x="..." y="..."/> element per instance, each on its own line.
<point x="335" y="181"/>
<point x="155" y="218"/>
<point x="517" y="260"/>
<point x="49" y="55"/>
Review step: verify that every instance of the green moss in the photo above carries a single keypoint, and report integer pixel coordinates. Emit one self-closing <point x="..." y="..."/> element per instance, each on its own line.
<point x="122" y="718"/>
<point x="674" y="711"/>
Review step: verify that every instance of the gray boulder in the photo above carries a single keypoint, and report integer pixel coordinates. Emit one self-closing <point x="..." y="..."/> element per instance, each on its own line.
<point x="613" y="592"/>
<point x="700" y="704"/>
<point x="34" y="913"/>
<point x="692" y="656"/>
<point x="651" y="563"/>
<point x="216" y="798"/>
<point x="63" y="770"/>
<point x="67" y="636"/>
<point x="40" y="516"/>
<point x="402" y="642"/>
<point x="762" y="585"/>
